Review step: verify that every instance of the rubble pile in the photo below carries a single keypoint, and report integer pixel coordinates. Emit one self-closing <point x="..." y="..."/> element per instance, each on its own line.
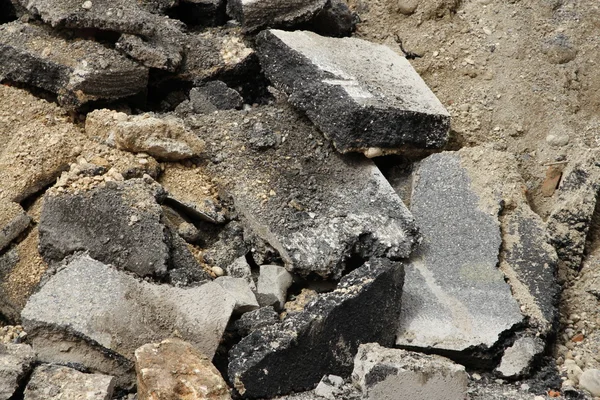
<point x="189" y="209"/>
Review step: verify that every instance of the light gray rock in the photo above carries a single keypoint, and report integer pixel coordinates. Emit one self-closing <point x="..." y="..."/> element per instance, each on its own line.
<point x="90" y="313"/>
<point x="312" y="205"/>
<point x="590" y="381"/>
<point x="382" y="374"/>
<point x="55" y="382"/>
<point x="16" y="360"/>
<point x="324" y="338"/>
<point x="241" y="269"/>
<point x="273" y="283"/>
<point x="363" y="96"/>
<point x="238" y="288"/>
<point x="569" y="222"/>
<point x="78" y="71"/>
<point x="455" y="298"/>
<point x="13" y="221"/>
<point x="518" y="358"/>
<point x="256" y="14"/>
<point x="330" y="387"/>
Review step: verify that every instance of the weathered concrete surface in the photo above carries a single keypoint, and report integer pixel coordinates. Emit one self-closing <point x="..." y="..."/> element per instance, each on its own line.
<point x="518" y="358"/>
<point x="570" y="219"/>
<point x="164" y="138"/>
<point x="272" y="285"/>
<point x="174" y="370"/>
<point x="361" y="95"/>
<point x="13" y="221"/>
<point x="314" y="206"/>
<point x="55" y="382"/>
<point x="16" y="360"/>
<point x="294" y="355"/>
<point x="254" y="15"/>
<point x="92" y="314"/>
<point x="77" y="70"/>
<point x="118" y="224"/>
<point x="238" y="288"/>
<point x="382" y="374"/>
<point x="210" y="97"/>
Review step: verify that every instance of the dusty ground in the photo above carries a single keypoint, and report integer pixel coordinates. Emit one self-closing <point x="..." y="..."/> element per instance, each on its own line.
<point x="522" y="75"/>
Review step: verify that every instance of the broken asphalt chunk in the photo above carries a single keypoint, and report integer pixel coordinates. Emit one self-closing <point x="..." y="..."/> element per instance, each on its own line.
<point x="361" y="95"/>
<point x="103" y="315"/>
<point x="16" y="361"/>
<point x="55" y="382"/>
<point x="13" y="221"/>
<point x="77" y="70"/>
<point x="324" y="338"/>
<point x="253" y="15"/>
<point x="294" y="191"/>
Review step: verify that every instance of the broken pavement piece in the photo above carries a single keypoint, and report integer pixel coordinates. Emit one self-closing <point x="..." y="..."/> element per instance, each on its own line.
<point x="273" y="283"/>
<point x="103" y="315"/>
<point x="335" y="19"/>
<point x="13" y="221"/>
<point x="253" y="320"/>
<point x="361" y="95"/>
<point x="55" y="382"/>
<point x="165" y="138"/>
<point x="16" y="361"/>
<point x="366" y="303"/>
<point x="253" y="15"/>
<point x="383" y="373"/>
<point x="518" y="359"/>
<point x="329" y="387"/>
<point x="78" y="71"/>
<point x="239" y="289"/>
<point x="569" y="221"/>
<point x="314" y="206"/>
<point x="174" y="368"/>
<point x="151" y="53"/>
<point x="210" y="97"/>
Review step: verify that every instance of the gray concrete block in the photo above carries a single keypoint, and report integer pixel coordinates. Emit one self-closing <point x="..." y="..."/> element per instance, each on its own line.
<point x="363" y="96"/>
<point x="518" y="358"/>
<point x="569" y="222"/>
<point x="55" y="382"/>
<point x="314" y="206"/>
<point x="294" y="355"/>
<point x="253" y="15"/>
<point x="91" y="314"/>
<point x="382" y="374"/>
<point x="273" y="283"/>
<point x="238" y="288"/>
<point x="77" y="70"/>
<point x="13" y="221"/>
<point x="16" y="360"/>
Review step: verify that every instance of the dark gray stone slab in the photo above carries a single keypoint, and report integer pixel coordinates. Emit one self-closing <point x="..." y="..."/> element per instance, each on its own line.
<point x="324" y="338"/>
<point x="89" y="313"/>
<point x="210" y="97"/>
<point x="361" y="95"/>
<point x="13" y="221"/>
<point x="77" y="70"/>
<point x="569" y="222"/>
<point x="55" y="382"/>
<point x="256" y="14"/>
<point x="256" y="319"/>
<point x="335" y="19"/>
<point x="295" y="192"/>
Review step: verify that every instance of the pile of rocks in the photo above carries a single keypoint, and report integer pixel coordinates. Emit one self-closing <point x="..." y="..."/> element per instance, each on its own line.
<point x="233" y="238"/>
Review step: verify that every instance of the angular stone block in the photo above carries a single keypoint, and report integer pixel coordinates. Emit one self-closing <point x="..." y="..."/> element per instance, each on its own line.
<point x="239" y="289"/>
<point x="273" y="283"/>
<point x="210" y="97"/>
<point x="324" y="338"/>
<point x="90" y="313"/>
<point x="55" y="382"/>
<point x="16" y="360"/>
<point x="361" y="95"/>
<point x="256" y="14"/>
<point x="77" y="70"/>
<point x="382" y="374"/>
<point x="518" y="358"/>
<point x="13" y="221"/>
<point x="296" y="193"/>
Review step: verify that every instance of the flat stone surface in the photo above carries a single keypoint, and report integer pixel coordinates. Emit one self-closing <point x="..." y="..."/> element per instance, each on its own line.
<point x="173" y="370"/>
<point x="238" y="288"/>
<point x="361" y="95"/>
<point x="13" y="221"/>
<point x="16" y="360"/>
<point x="273" y="283"/>
<point x="314" y="206"/>
<point x="92" y="314"/>
<point x="77" y="70"/>
<point x="55" y="382"/>
<point x="518" y="358"/>
<point x="383" y="373"/>
<point x="455" y="297"/>
<point x="257" y="14"/>
<point x="590" y="381"/>
<point x="569" y="222"/>
<point x="324" y="338"/>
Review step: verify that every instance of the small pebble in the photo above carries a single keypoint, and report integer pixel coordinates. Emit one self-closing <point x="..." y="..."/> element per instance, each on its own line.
<point x="218" y="271"/>
<point x="407" y="7"/>
<point x="86" y="5"/>
<point x="557" y="140"/>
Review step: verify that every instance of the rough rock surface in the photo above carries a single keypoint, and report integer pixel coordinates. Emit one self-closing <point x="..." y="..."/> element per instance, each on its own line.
<point x="254" y="15"/>
<point x="16" y="360"/>
<point x="518" y="358"/>
<point x="366" y="304"/>
<point x="55" y="382"/>
<point x="361" y="95"/>
<point x="272" y="285"/>
<point x="384" y="373"/>
<point x="569" y="222"/>
<point x="256" y="319"/>
<point x="590" y="381"/>
<point x="163" y="138"/>
<point x="77" y="70"/>
<point x="91" y="314"/>
<point x="345" y="205"/>
<point x="13" y="221"/>
<point x="210" y="97"/>
<point x="238" y="288"/>
<point x="335" y="19"/>
<point x="174" y="370"/>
